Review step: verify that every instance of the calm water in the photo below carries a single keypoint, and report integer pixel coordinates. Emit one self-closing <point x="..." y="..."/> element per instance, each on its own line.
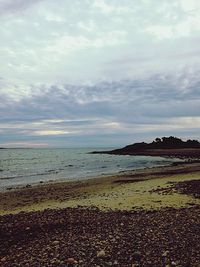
<point x="27" y="166"/>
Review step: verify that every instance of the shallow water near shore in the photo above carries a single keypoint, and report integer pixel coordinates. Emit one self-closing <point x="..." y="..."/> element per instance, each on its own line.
<point x="29" y="166"/>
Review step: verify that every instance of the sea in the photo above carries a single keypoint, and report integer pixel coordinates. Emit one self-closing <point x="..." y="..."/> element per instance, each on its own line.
<point x="19" y="167"/>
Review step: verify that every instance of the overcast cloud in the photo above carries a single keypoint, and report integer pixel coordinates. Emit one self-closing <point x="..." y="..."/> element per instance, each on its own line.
<point x="98" y="72"/>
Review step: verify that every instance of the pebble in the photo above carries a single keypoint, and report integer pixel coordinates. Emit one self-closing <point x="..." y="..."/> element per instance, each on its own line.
<point x="136" y="256"/>
<point x="55" y="242"/>
<point x="54" y="235"/>
<point x="3" y="259"/>
<point x="165" y="254"/>
<point x="71" y="261"/>
<point x="101" y="254"/>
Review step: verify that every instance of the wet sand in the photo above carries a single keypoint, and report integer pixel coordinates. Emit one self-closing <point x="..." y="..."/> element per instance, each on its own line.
<point x="125" y="191"/>
<point x="150" y="217"/>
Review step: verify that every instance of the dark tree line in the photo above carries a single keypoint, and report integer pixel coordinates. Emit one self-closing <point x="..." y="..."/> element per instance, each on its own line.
<point x="164" y="143"/>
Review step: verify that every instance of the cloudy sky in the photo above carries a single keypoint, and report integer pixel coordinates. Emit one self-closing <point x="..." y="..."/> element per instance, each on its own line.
<point x="98" y="72"/>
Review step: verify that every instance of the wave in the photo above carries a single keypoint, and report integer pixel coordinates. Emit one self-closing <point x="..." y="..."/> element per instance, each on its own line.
<point x="29" y="175"/>
<point x="65" y="163"/>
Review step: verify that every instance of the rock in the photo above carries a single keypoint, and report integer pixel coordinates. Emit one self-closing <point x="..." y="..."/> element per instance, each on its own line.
<point x="71" y="261"/>
<point x="165" y="254"/>
<point x="55" y="261"/>
<point x="101" y="254"/>
<point x="55" y="235"/>
<point x="3" y="259"/>
<point x="136" y="256"/>
<point x="55" y="242"/>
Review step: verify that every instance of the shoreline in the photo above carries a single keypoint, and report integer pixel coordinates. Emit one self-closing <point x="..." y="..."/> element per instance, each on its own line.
<point x="149" y="217"/>
<point x="124" y="191"/>
<point x="93" y="176"/>
<point x="12" y="182"/>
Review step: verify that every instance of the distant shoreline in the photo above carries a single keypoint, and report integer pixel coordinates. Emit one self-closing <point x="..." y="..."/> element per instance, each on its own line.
<point x="164" y="147"/>
<point x="183" y="153"/>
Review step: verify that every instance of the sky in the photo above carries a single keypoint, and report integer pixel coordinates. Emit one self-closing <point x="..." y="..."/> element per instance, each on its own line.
<point x="98" y="72"/>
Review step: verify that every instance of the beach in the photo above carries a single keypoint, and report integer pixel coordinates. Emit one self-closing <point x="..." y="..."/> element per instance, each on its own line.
<point x="123" y="191"/>
<point x="105" y="221"/>
<point x="100" y="133"/>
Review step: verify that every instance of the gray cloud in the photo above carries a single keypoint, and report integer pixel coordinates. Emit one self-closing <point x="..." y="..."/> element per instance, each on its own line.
<point x="122" y="109"/>
<point x="10" y="6"/>
<point x="105" y="98"/>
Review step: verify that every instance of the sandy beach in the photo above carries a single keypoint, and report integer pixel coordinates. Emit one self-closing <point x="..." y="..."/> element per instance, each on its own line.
<point x="149" y="217"/>
<point x="124" y="191"/>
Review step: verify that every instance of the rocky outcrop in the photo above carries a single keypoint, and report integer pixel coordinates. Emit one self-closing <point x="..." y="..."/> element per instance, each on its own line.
<point x="165" y="146"/>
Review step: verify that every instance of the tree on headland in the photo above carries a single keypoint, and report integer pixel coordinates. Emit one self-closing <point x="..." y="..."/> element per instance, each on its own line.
<point x="158" y="140"/>
<point x="173" y="142"/>
<point x="163" y="143"/>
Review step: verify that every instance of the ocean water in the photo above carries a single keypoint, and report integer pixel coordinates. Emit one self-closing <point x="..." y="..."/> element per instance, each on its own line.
<point x="28" y="166"/>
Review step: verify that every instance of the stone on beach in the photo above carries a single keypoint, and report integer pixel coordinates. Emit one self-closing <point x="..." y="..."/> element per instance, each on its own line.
<point x="101" y="254"/>
<point x="71" y="262"/>
<point x="88" y="238"/>
<point x="136" y="256"/>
